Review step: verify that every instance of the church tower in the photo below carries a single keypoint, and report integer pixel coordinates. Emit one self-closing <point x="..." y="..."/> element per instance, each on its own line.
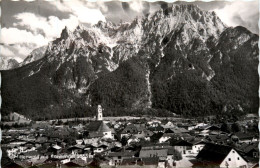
<point x="99" y="113"/>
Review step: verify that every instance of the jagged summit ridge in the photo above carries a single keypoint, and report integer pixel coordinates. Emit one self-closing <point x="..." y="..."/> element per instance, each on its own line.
<point x="163" y="60"/>
<point x="195" y="22"/>
<point x="105" y="45"/>
<point x="8" y="63"/>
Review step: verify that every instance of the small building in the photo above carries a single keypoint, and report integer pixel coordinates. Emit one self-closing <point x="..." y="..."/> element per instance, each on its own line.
<point x="129" y="130"/>
<point x="250" y="150"/>
<point x="244" y="137"/>
<point x="176" y="130"/>
<point x="220" y="156"/>
<point x="169" y="125"/>
<point x="183" y="146"/>
<point x="116" y="158"/>
<point x="55" y="149"/>
<point x="76" y="149"/>
<point x="221" y="139"/>
<point x="197" y="147"/>
<point x="100" y="148"/>
<point x="166" y="137"/>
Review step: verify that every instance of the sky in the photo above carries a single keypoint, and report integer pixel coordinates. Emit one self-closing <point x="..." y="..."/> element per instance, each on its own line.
<point x="27" y="25"/>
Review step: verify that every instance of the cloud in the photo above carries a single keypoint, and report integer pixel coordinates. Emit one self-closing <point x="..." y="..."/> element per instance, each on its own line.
<point x="32" y="30"/>
<point x="101" y="5"/>
<point x="19" y="42"/>
<point x="136" y="5"/>
<point x="23" y="49"/>
<point x="84" y="11"/>
<point x="12" y="52"/>
<point x="244" y="13"/>
<point x="25" y="36"/>
<point x="137" y="8"/>
<point x="16" y="36"/>
<point x="6" y="52"/>
<point x="51" y="26"/>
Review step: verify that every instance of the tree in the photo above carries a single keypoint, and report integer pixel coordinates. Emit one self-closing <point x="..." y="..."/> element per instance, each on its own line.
<point x="176" y="155"/>
<point x="155" y="137"/>
<point x="96" y="161"/>
<point x="124" y="141"/>
<point x="225" y="128"/>
<point x="235" y="127"/>
<point x="6" y="161"/>
<point x="60" y="122"/>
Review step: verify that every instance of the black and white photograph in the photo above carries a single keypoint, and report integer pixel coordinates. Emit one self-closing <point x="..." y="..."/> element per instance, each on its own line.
<point x="129" y="84"/>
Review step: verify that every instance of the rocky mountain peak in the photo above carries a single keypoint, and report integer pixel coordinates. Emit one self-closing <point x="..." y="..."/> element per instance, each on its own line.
<point x="7" y="63"/>
<point x="65" y="33"/>
<point x="104" y="25"/>
<point x="173" y="59"/>
<point x="35" y="55"/>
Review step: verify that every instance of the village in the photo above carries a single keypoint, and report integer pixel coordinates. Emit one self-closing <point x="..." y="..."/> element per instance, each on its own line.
<point x="143" y="142"/>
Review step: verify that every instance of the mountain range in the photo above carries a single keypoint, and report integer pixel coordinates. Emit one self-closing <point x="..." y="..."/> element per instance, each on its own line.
<point x="180" y="59"/>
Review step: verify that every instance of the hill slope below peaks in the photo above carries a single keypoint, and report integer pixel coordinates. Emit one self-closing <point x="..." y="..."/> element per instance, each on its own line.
<point x="180" y="59"/>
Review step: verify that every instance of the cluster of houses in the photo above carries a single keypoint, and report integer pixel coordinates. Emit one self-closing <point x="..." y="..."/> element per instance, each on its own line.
<point x="130" y="144"/>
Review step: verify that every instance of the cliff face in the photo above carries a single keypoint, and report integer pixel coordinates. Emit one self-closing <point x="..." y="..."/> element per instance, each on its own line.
<point x="8" y="63"/>
<point x="181" y="59"/>
<point x="35" y="55"/>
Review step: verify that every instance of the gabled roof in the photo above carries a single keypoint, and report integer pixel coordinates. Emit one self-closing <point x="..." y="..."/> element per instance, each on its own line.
<point x="56" y="147"/>
<point x="196" y="141"/>
<point x="168" y="135"/>
<point x="249" y="147"/>
<point x="103" y="128"/>
<point x="177" y="130"/>
<point x="213" y="153"/>
<point x="181" y="143"/>
<point x="243" y="135"/>
<point x="213" y="127"/>
<point x="157" y="128"/>
<point x="97" y="126"/>
<point x="218" y="138"/>
<point x="131" y="128"/>
<point x="30" y="153"/>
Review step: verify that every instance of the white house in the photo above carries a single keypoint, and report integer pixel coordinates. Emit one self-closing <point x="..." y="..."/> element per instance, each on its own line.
<point x="197" y="147"/>
<point x="165" y="137"/>
<point x="234" y="159"/>
<point x="221" y="156"/>
<point x="169" y="125"/>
